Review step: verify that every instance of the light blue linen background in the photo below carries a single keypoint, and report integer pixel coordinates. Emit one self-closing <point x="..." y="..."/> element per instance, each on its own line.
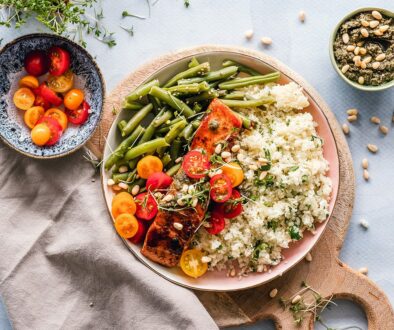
<point x="304" y="48"/>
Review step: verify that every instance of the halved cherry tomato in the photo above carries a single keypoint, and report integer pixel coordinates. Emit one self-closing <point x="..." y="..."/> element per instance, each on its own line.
<point x="126" y="225"/>
<point x="36" y="63"/>
<point x="55" y="128"/>
<point x="63" y="83"/>
<point x="58" y="115"/>
<point x="146" y="206"/>
<point x="49" y="95"/>
<point x="32" y="116"/>
<point x="195" y="164"/>
<point x="29" y="81"/>
<point x="149" y="165"/>
<point x="140" y="234"/>
<point x="217" y="223"/>
<point x="39" y="101"/>
<point x="24" y="98"/>
<point x="191" y="263"/>
<point x="40" y="134"/>
<point x="234" y="173"/>
<point x="73" y="99"/>
<point x="59" y="61"/>
<point x="121" y="195"/>
<point x="158" y="180"/>
<point x="123" y="205"/>
<point x="233" y="207"/>
<point x="79" y="116"/>
<point x="220" y="188"/>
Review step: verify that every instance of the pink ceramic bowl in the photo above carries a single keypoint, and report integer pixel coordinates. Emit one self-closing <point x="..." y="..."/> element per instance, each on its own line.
<point x="218" y="281"/>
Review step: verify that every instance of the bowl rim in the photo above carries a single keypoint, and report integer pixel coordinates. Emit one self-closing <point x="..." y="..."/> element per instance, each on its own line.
<point x="103" y="90"/>
<point x="366" y="88"/>
<point x="292" y="75"/>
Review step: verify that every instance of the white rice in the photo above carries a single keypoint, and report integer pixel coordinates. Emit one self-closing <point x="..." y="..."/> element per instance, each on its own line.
<point x="278" y="213"/>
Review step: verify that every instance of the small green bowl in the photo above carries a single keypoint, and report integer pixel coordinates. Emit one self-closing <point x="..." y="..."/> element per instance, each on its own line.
<point x="332" y="57"/>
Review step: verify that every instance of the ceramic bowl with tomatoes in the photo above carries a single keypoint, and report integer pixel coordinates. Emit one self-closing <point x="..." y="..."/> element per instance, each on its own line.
<point x="51" y="95"/>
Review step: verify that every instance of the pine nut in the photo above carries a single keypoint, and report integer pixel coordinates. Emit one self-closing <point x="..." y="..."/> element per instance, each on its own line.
<point x="363" y="51"/>
<point x="301" y="16"/>
<point x="308" y="257"/>
<point x="377" y="15"/>
<point x="375" y="65"/>
<point x="235" y="148"/>
<point x="360" y="43"/>
<point x="375" y="120"/>
<point x="135" y="190"/>
<point x="350" y="48"/>
<point x="365" y="163"/>
<point x="384" y="28"/>
<point x="364" y="33"/>
<point x="240" y="157"/>
<point x="262" y="175"/>
<point x="123" y="169"/>
<point x="363" y="270"/>
<point x="384" y="129"/>
<point x="365" y="23"/>
<point x="178" y="160"/>
<point x="178" y="226"/>
<point x="357" y="63"/>
<point x="232" y="272"/>
<point x="248" y="34"/>
<point x="351" y="118"/>
<point x="380" y="57"/>
<point x="345" y="129"/>
<point x="363" y="65"/>
<point x="206" y="259"/>
<point x="364" y="223"/>
<point x="367" y="59"/>
<point x="266" y="41"/>
<point x="180" y="202"/>
<point x="372" y="148"/>
<point x="296" y="299"/>
<point x="361" y="80"/>
<point x="378" y="32"/>
<point x="167" y="198"/>
<point x="356" y="51"/>
<point x="253" y="167"/>
<point x="356" y="59"/>
<point x="366" y="175"/>
<point x="273" y="293"/>
<point x="194" y="201"/>
<point x="110" y="182"/>
<point x="123" y="185"/>
<point x="345" y="68"/>
<point x="373" y="24"/>
<point x="345" y="38"/>
<point x="225" y="154"/>
<point x="218" y="149"/>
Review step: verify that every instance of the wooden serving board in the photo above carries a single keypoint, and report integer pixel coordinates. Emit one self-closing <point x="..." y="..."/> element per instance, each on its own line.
<point x="326" y="273"/>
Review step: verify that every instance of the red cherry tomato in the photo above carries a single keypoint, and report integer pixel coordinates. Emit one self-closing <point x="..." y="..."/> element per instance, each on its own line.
<point x="146" y="206"/>
<point x="140" y="235"/>
<point x="79" y="116"/>
<point x="217" y="223"/>
<point x="54" y="126"/>
<point x="39" y="101"/>
<point x="59" y="61"/>
<point x="221" y="188"/>
<point x="36" y="63"/>
<point x="49" y="95"/>
<point x="232" y="208"/>
<point x="195" y="164"/>
<point x="158" y="180"/>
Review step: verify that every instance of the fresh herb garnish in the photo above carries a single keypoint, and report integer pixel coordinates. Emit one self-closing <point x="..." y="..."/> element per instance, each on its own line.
<point x="294" y="233"/>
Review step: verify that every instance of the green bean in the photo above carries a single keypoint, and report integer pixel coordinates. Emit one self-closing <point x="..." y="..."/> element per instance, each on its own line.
<point x="197" y="107"/>
<point x="122" y="124"/>
<point x="209" y="95"/>
<point x="174" y="150"/>
<point x="196" y="123"/>
<point x="174" y="131"/>
<point x="189" y="89"/>
<point x="141" y="91"/>
<point x="132" y="105"/>
<point x="117" y="177"/>
<point x="191" y="72"/>
<point x="172" y="122"/>
<point x="173" y="170"/>
<point x="145" y="147"/>
<point x="193" y="63"/>
<point x="246" y="122"/>
<point x="151" y="129"/>
<point x="241" y="68"/>
<point x="140" y="183"/>
<point x="163" y="130"/>
<point x="248" y="103"/>
<point x="162" y="119"/>
<point x="133" y="163"/>
<point x="255" y="80"/>
<point x="156" y="103"/>
<point x="211" y="76"/>
<point x="166" y="159"/>
<point x="120" y="151"/>
<point x="187" y="132"/>
<point x="236" y="95"/>
<point x="136" y="119"/>
<point x="172" y="101"/>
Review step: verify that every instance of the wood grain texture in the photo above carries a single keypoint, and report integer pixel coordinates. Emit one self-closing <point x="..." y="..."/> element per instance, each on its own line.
<point x="326" y="273"/>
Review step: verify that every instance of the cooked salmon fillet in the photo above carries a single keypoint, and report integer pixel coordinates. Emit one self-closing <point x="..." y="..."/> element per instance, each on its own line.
<point x="164" y="243"/>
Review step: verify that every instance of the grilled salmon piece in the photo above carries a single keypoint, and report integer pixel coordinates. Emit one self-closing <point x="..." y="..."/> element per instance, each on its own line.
<point x="164" y="243"/>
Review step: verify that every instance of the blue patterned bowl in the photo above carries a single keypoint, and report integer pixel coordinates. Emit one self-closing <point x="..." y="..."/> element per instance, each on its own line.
<point x="87" y="77"/>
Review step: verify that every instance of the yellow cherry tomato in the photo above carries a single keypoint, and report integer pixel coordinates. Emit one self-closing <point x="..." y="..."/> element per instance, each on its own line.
<point x="191" y="263"/>
<point x="126" y="225"/>
<point x="121" y="195"/>
<point x="58" y="115"/>
<point x="32" y="116"/>
<point x="73" y="99"/>
<point x="149" y="165"/>
<point x="24" y="98"/>
<point x="123" y="204"/>
<point x="63" y="83"/>
<point x="234" y="173"/>
<point x="29" y="81"/>
<point x="40" y="134"/>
